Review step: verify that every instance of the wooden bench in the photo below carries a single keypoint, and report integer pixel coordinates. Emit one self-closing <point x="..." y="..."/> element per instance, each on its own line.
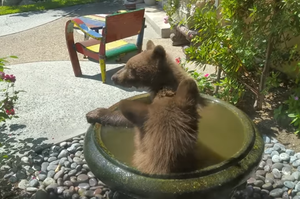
<point x="108" y="43"/>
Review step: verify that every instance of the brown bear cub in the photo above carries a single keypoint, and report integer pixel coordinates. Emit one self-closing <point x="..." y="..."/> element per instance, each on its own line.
<point x="153" y="69"/>
<point x="166" y="131"/>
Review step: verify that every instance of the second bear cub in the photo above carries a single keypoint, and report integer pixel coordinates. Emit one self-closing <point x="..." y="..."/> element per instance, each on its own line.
<point x="166" y="131"/>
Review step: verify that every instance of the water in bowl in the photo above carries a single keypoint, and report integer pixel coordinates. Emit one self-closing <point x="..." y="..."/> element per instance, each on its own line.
<point x="221" y="135"/>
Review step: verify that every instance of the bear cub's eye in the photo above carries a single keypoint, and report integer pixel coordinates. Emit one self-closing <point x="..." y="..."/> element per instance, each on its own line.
<point x="132" y="72"/>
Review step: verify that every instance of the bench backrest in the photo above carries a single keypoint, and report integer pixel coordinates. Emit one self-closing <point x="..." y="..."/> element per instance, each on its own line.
<point x="122" y="25"/>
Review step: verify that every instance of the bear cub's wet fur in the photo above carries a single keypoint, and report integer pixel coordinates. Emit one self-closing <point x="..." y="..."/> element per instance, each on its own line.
<point x="166" y="131"/>
<point x="153" y="69"/>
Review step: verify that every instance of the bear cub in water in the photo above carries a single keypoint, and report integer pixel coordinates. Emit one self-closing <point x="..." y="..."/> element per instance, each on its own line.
<point x="166" y="131"/>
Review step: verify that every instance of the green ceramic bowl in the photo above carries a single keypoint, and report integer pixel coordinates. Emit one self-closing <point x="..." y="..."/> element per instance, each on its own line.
<point x="213" y="182"/>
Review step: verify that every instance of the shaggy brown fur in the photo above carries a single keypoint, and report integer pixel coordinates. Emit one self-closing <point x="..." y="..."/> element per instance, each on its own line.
<point x="166" y="131"/>
<point x="153" y="69"/>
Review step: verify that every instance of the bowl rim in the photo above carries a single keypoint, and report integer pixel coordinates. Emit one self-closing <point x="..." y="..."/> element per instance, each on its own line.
<point x="249" y="139"/>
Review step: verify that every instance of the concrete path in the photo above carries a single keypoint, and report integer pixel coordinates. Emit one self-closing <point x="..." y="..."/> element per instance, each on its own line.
<point x="15" y="23"/>
<point x="55" y="102"/>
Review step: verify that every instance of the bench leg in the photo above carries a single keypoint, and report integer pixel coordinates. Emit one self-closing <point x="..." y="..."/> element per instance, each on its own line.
<point x="71" y="48"/>
<point x="86" y="37"/>
<point x="140" y="38"/>
<point x="103" y="69"/>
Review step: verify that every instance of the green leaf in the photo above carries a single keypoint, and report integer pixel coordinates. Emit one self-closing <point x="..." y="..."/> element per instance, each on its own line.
<point x="4" y="115"/>
<point x="291" y="115"/>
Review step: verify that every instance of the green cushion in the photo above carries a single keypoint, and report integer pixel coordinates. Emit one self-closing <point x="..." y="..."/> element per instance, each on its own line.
<point x="120" y="50"/>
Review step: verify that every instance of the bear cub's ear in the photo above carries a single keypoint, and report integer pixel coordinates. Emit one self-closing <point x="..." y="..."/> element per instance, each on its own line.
<point x="136" y="112"/>
<point x="187" y="91"/>
<point x="150" y="45"/>
<point x="159" y="52"/>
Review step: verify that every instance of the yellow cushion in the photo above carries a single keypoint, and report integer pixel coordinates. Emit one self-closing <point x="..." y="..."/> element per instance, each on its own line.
<point x="114" y="48"/>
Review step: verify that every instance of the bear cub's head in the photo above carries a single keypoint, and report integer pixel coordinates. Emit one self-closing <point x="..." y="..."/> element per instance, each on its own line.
<point x="151" y="68"/>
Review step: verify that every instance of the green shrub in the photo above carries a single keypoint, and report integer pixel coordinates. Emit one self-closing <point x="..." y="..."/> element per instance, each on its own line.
<point x="289" y="110"/>
<point x="250" y="42"/>
<point x="8" y="95"/>
<point x="244" y="41"/>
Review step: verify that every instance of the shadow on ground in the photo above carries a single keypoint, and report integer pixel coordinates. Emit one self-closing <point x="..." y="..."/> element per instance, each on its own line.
<point x="110" y="73"/>
<point x="16" y="148"/>
<point x="11" y="152"/>
<point x="266" y="121"/>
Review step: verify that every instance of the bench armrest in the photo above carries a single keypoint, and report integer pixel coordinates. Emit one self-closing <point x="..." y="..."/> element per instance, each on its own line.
<point x="86" y="30"/>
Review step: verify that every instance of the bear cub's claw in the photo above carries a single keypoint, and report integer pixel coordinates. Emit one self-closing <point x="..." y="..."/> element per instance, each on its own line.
<point x="95" y="115"/>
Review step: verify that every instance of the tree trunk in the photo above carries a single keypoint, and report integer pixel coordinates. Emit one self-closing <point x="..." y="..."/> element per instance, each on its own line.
<point x="266" y="70"/>
<point x="218" y="79"/>
<point x="265" y="74"/>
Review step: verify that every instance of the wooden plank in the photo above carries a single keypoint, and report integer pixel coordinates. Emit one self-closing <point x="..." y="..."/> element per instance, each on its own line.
<point x="112" y="48"/>
<point x="122" y="25"/>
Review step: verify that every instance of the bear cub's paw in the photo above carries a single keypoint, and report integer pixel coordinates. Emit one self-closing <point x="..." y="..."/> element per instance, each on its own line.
<point x="96" y="115"/>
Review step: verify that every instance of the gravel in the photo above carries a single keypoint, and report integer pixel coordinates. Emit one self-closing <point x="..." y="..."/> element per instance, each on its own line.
<point x="277" y="175"/>
<point x="60" y="171"/>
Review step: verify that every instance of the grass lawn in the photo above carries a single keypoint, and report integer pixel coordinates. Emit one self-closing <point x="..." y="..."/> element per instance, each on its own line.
<point x="50" y="4"/>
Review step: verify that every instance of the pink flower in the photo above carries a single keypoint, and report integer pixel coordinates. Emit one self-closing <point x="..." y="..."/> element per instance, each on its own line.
<point x="10" y="112"/>
<point x="296" y="98"/>
<point x="206" y="75"/>
<point x="178" y="60"/>
<point x="10" y="78"/>
<point x="166" y="19"/>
